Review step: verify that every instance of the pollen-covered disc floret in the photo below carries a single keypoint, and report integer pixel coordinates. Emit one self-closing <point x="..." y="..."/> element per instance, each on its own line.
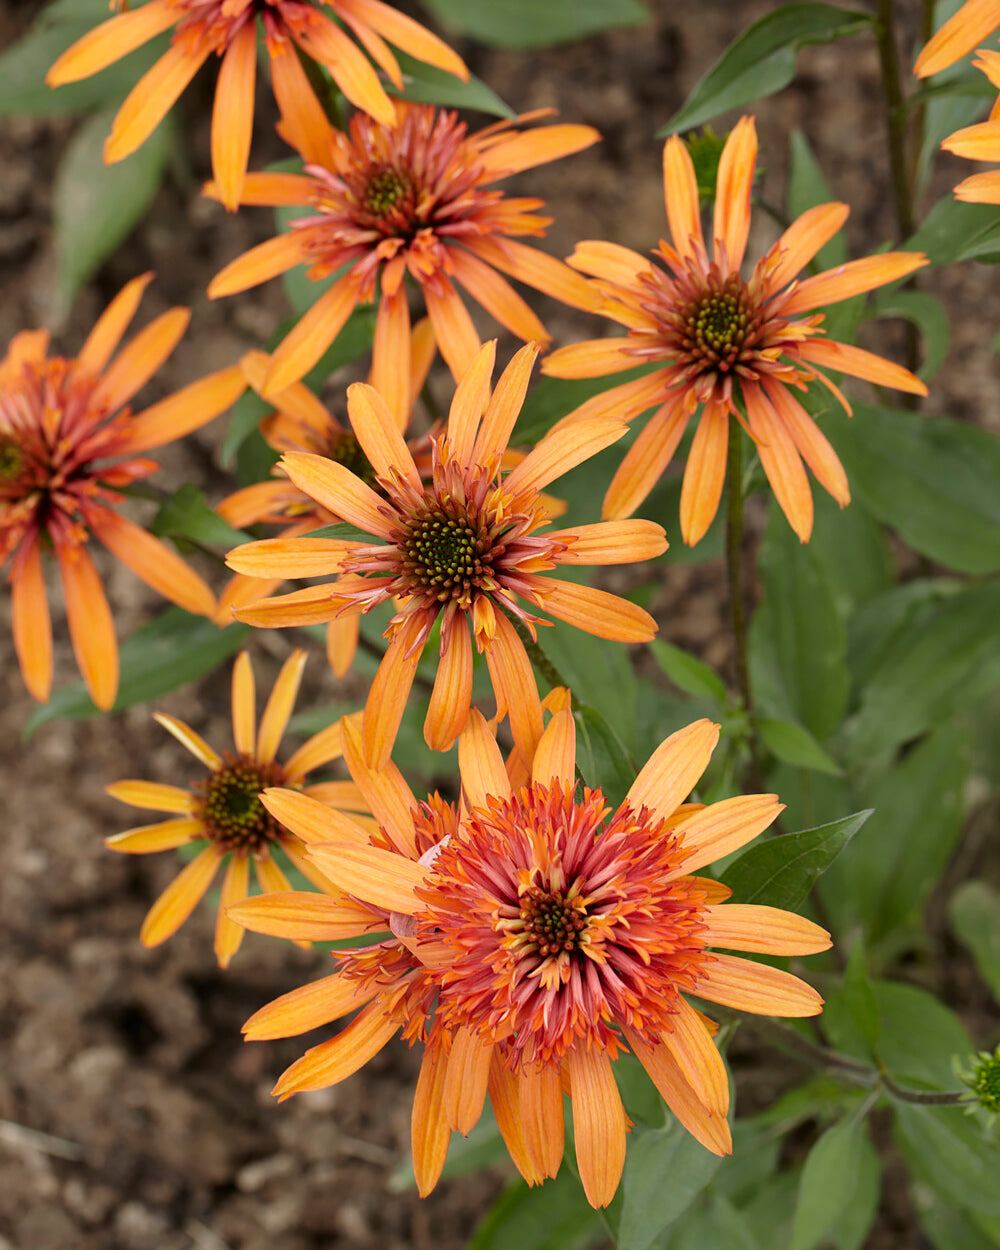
<point x="230" y="806"/>
<point x="563" y="922"/>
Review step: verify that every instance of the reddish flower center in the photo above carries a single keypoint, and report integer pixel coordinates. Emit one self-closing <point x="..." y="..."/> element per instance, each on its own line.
<point x="231" y="809"/>
<point x="550" y="921"/>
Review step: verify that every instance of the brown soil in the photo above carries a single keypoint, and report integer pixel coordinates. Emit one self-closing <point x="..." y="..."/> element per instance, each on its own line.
<point x="161" y="1130"/>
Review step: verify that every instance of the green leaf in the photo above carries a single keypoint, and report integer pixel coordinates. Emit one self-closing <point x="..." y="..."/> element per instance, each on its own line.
<point x="427" y="85"/>
<point x="931" y="478"/>
<point x="649" y="1204"/>
<point x="927" y="314"/>
<point x="945" y="1149"/>
<point x="881" y="626"/>
<point x="23" y="66"/>
<point x="244" y="418"/>
<point x="172" y="650"/>
<point x="854" y="1220"/>
<point x="528" y="24"/>
<point x="951" y="662"/>
<point x="346" y="533"/>
<point x="951" y="1229"/>
<point x="555" y="1216"/>
<point x="551" y="399"/>
<point x="798" y="643"/>
<point x="974" y="913"/>
<point x="186" y="514"/>
<point x="795" y="745"/>
<point x="95" y="206"/>
<point x="602" y="756"/>
<point x="688" y="673"/>
<point x="954" y="230"/>
<point x="852" y="549"/>
<point x="781" y="871"/>
<point x="859" y="999"/>
<point x="761" y="60"/>
<point x="829" y="1179"/>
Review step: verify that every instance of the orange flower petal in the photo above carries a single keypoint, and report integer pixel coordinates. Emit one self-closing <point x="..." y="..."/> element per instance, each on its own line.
<point x="705" y="473"/>
<point x="540" y="1098"/>
<point x="269" y="190"/>
<point x="452" y="693"/>
<point x="149" y="839"/>
<point x="766" y="930"/>
<point x="187" y="737"/>
<point x="150" y="100"/>
<point x="228" y="934"/>
<point x="103" y="339"/>
<point x="429" y="1130"/>
<point x="312" y="335"/>
<point x="757" y="988"/>
<point x="469" y="403"/>
<point x="91" y="627"/>
<point x="309" y="819"/>
<point x="646" y="460"/>
<point x="232" y="115"/>
<point x="342" y="643"/>
<point x="26" y="347"/>
<point x="312" y="605"/>
<point x="974" y="22"/>
<point x="529" y="148"/>
<point x="781" y="462"/>
<point x="565" y="446"/>
<point x="497" y="296"/>
<point x="324" y="41"/>
<point x="187" y="409"/>
<point x="407" y="34"/>
<point x="503" y="1088"/>
<point x="598" y="1124"/>
<point x="539" y="270"/>
<point x="300" y="915"/>
<point x="592" y="358"/>
<point x="504" y="406"/>
<point x="345" y="796"/>
<point x="611" y="542"/>
<point x="306" y="1008"/>
<point x="980" y="188"/>
<point x="691" y="1045"/>
<point x="244" y="706"/>
<point x="388" y="693"/>
<point x="304" y="125"/>
<point x="456" y="336"/>
<point x="153" y="795"/>
<point x="341" y="1056"/>
<point x="480" y="763"/>
<point x="321" y="748"/>
<point x="338" y="490"/>
<point x="390" y="375"/>
<point x="724" y="827"/>
<point x="680" y="195"/>
<point x="975" y="143"/>
<point x="555" y="758"/>
<point x="140" y="358"/>
<point x="853" y="278"/>
<point x="381" y="878"/>
<point x="801" y="241"/>
<point x="290" y="557"/>
<point x="514" y="683"/>
<point x="707" y="1127"/>
<point x="731" y="224"/>
<point x="465" y="1080"/>
<point x="387" y="795"/>
<point x="846" y="358"/>
<point x="609" y="261"/>
<point x="378" y="433"/>
<point x="279" y="707"/>
<point x="180" y="898"/>
<point x="812" y="445"/>
<point x="674" y="769"/>
<point x="110" y="41"/>
<point x="260" y="264"/>
<point x="595" y="611"/>
<point x="151" y="559"/>
<point x="31" y="621"/>
<point x="271" y="877"/>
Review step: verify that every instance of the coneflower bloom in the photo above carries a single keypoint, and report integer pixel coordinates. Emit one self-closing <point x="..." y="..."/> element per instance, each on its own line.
<point x="560" y="933"/>
<point x="732" y="347"/>
<point x="228" y="28"/>
<point x="415" y="197"/>
<point x="223" y="812"/>
<point x="69" y="444"/>
<point x="975" y="21"/>
<point x="463" y="549"/>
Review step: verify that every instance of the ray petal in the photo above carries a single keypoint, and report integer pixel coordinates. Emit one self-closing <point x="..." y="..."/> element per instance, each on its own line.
<point x="180" y="898"/>
<point x="674" y="769"/>
<point x="279" y="707"/>
<point x="598" y="1124"/>
<point x="757" y="988"/>
<point x="764" y="930"/>
<point x="307" y="1008"/>
<point x="430" y="1132"/>
<point x="340" y="1057"/>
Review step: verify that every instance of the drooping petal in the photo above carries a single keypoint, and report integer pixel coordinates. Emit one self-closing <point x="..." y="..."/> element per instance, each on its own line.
<point x="465" y="1083"/>
<point x="386" y="793"/>
<point x="31" y="621"/>
<point x="596" y="611"/>
<point x="304" y="125"/>
<point x="705" y="473"/>
<point x="279" y="707"/>
<point x="514" y="683"/>
<point x="235" y="884"/>
<point x="180" y="898"/>
<point x="390" y="375"/>
<point x="307" y="1008"/>
<point x="497" y="296"/>
<point x="766" y="930"/>
<point x="691" y="1045"/>
<point x="541" y="1107"/>
<point x="707" y="1127"/>
<point x="91" y="627"/>
<point x="757" y="988"/>
<point x="340" y="1057"/>
<point x="452" y="693"/>
<point x="324" y="41"/>
<point x="598" y="1124"/>
<point x="151" y="99"/>
<point x="153" y="795"/>
<point x="312" y="334"/>
<point x="812" y="444"/>
<point x="430" y="1132"/>
<point x="454" y="331"/>
<point x="232" y="115"/>
<point x="480" y="763"/>
<point x="731" y="225"/>
<point x="151" y="559"/>
<point x="674" y="769"/>
<point x="646" y="460"/>
<point x="781" y="462"/>
<point x="342" y="635"/>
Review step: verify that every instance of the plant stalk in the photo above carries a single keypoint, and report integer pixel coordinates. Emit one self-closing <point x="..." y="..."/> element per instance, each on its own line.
<point x="734" y="548"/>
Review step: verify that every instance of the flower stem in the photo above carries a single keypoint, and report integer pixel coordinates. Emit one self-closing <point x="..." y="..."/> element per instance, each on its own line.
<point x="922" y="1097"/>
<point x="734" y="545"/>
<point x="540" y="661"/>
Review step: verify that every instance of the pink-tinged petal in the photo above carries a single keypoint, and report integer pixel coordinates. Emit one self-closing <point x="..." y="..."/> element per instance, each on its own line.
<point x="757" y="988"/>
<point x="674" y="769"/>
<point x="304" y="916"/>
<point x="338" y="490"/>
<point x="102" y="341"/>
<point x="232" y="115"/>
<point x="312" y="334"/>
<point x="731" y="224"/>
<point x="595" y="611"/>
<point x="680" y="194"/>
<point x="514" y="684"/>
<point x="235" y="884"/>
<point x="480" y="763"/>
<point x="150" y="100"/>
<point x="471" y="397"/>
<point x="388" y="693"/>
<point x="853" y="278"/>
<point x="611" y="542"/>
<point x="31" y="621"/>
<point x="845" y="358"/>
<point x="504" y="406"/>
<point x="540" y="1097"/>
<point x="381" y="878"/>
<point x="279" y="707"/>
<point x="565" y="446"/>
<point x="180" y="898"/>
<point x="765" y="930"/>
<point x="781" y="462"/>
<point x="340" y="1057"/>
<point x="312" y="821"/>
<point x="801" y="241"/>
<point x="307" y="1008"/>
<point x="598" y="1124"/>
<point x="705" y="474"/>
<point x="91" y="627"/>
<point x="707" y="1127"/>
<point x="724" y="827"/>
<point x="386" y="793"/>
<point x="154" y="796"/>
<point x="150" y="839"/>
<point x="430" y="1132"/>
<point x="975" y="21"/>
<point x="378" y="432"/>
<point x="452" y="693"/>
<point x="465" y="1083"/>
<point x="390" y="374"/>
<point x="151" y="559"/>
<point x="555" y="758"/>
<point x="646" y="460"/>
<point x="112" y="40"/>
<point x="193" y="742"/>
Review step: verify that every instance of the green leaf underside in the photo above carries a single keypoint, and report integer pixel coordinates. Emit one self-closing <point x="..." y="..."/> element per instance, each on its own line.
<point x="528" y="24"/>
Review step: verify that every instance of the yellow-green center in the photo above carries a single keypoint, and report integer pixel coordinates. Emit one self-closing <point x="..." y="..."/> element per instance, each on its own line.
<point x="385" y="190"/>
<point x="11" y="459"/>
<point x="444" y="554"/>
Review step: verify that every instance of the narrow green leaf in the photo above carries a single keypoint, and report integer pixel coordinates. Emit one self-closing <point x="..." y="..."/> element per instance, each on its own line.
<point x="186" y="514"/>
<point x="95" y="206"/>
<point x="974" y="912"/>
<point x="761" y="60"/>
<point x="172" y="650"/>
<point x="427" y="85"/>
<point x="688" y="673"/>
<point x="931" y="478"/>
<point x="346" y="533"/>
<point x="954" y="230"/>
<point x="527" y="24"/>
<point x="781" y="871"/>
<point x="649" y="1204"/>
<point x="795" y="745"/>
<point x="829" y="1179"/>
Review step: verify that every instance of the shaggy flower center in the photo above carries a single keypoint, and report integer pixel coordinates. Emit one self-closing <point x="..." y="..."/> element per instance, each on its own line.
<point x="231" y="808"/>
<point x="446" y="555"/>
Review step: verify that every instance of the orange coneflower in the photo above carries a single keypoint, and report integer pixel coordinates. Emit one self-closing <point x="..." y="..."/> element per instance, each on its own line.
<point x="224" y="810"/>
<point x="558" y="934"/>
<point x="463" y="550"/>
<point x="229" y="29"/>
<point x="734" y="347"/>
<point x="65" y="426"/>
<point x="416" y="197"/>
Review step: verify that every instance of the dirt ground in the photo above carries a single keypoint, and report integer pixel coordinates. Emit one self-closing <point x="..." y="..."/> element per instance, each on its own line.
<point x="158" y="1127"/>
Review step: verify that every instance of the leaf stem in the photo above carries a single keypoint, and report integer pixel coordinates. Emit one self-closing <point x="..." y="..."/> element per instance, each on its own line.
<point x="950" y="1098"/>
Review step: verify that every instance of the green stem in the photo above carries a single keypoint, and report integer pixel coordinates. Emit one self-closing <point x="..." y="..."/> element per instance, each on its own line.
<point x="922" y="1097"/>
<point x="734" y="547"/>
<point x="540" y="661"/>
